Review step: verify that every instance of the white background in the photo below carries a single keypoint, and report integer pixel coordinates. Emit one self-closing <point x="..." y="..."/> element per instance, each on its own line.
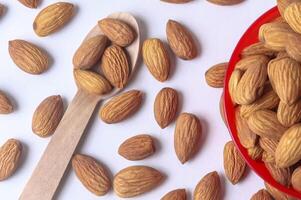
<point x="217" y="28"/>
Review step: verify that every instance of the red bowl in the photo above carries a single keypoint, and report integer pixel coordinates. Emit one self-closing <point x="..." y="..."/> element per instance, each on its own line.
<point x="250" y="37"/>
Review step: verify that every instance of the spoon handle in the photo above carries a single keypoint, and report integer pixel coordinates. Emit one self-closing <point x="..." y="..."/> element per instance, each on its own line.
<point x="47" y="175"/>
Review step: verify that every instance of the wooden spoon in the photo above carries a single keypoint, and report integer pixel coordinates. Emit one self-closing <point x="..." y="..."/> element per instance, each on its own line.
<point x="53" y="164"/>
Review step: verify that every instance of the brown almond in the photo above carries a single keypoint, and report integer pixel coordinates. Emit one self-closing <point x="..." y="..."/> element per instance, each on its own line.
<point x="233" y="83"/>
<point x="180" y="40"/>
<point x="10" y="153"/>
<point x="2" y="9"/>
<point x="285" y="77"/>
<point x="255" y="152"/>
<point x="293" y="48"/>
<point x="30" y="3"/>
<point x="137" y="147"/>
<point x="282" y="54"/>
<point x="216" y="74"/>
<point x="187" y="136"/>
<point x="257" y="49"/>
<point x="225" y="2"/>
<point x="265" y="124"/>
<point x="277" y="194"/>
<point x="288" y="151"/>
<point x="91" y="82"/>
<point x="115" y="66"/>
<point x="234" y="164"/>
<point x="268" y="144"/>
<point x="28" y="57"/>
<point x="117" y="31"/>
<point x="89" y="52"/>
<point x="292" y="15"/>
<point x="288" y="115"/>
<point x="283" y="4"/>
<point x="121" y="107"/>
<point x="251" y="61"/>
<point x="136" y="180"/>
<point x="281" y="175"/>
<point x="47" y="116"/>
<point x="179" y="194"/>
<point x="46" y="22"/>
<point x="209" y="188"/>
<point x="156" y="58"/>
<point x="296" y="179"/>
<point x="91" y="174"/>
<point x="262" y="195"/>
<point x="166" y="106"/>
<point x="6" y="105"/>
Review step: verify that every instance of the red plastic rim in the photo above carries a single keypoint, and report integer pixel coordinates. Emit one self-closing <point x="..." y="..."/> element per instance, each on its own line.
<point x="250" y="37"/>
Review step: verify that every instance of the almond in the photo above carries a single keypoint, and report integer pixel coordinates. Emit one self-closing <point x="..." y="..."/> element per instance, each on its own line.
<point x="268" y="144"/>
<point x="277" y="194"/>
<point x="2" y="9"/>
<point x="288" y="115"/>
<point x="115" y="66"/>
<point x="47" y="116"/>
<point x="10" y="153"/>
<point x="262" y="195"/>
<point x="296" y="179"/>
<point x="233" y="82"/>
<point x="281" y="175"/>
<point x="121" y="107"/>
<point x="282" y="54"/>
<point x="92" y="174"/>
<point x="180" y="40"/>
<point x="46" y="22"/>
<point x="117" y="31"/>
<point x="255" y="152"/>
<point x="137" y="147"/>
<point x="293" y="48"/>
<point x="91" y="82"/>
<point x="288" y="151"/>
<point x="179" y="194"/>
<point x="28" y="57"/>
<point x="89" y="52"/>
<point x="136" y="180"/>
<point x="216" y="74"/>
<point x="234" y="164"/>
<point x="257" y="49"/>
<point x="292" y="16"/>
<point x="6" y="105"/>
<point x="269" y="100"/>
<point x="225" y="2"/>
<point x="285" y="77"/>
<point x="166" y="106"/>
<point x="209" y="188"/>
<point x="246" y="137"/>
<point x="187" y="136"/>
<point x="30" y="3"/>
<point x="156" y="58"/>
<point x="283" y="4"/>
<point x="251" y="85"/>
<point x="265" y="124"/>
<point x="251" y="61"/>
<point x="268" y="157"/>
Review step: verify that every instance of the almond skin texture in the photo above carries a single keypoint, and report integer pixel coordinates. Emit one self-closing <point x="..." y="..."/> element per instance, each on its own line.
<point x="176" y="1"/>
<point x="188" y="133"/>
<point x="28" y="57"/>
<point x="251" y="61"/>
<point x="91" y="82"/>
<point x="268" y="157"/>
<point x="89" y="52"/>
<point x="288" y="151"/>
<point x="285" y="77"/>
<point x="166" y="106"/>
<point x="179" y="194"/>
<point x="180" y="40"/>
<point x="10" y="153"/>
<point x="225" y="2"/>
<point x="288" y="115"/>
<point x="156" y="58"/>
<point x="292" y="16"/>
<point x="47" y="21"/>
<point x="136" y="180"/>
<point x="115" y="66"/>
<point x="209" y="188"/>
<point x="296" y="179"/>
<point x="137" y="147"/>
<point x="216" y="74"/>
<point x="268" y="144"/>
<point x="117" y="31"/>
<point x="277" y="194"/>
<point x="293" y="48"/>
<point x="121" y="107"/>
<point x="6" y="106"/>
<point x="234" y="164"/>
<point x="262" y="195"/>
<point x="92" y="174"/>
<point x="257" y="49"/>
<point x="265" y="124"/>
<point x="255" y="152"/>
<point x="233" y="83"/>
<point x="283" y="4"/>
<point x="30" y="3"/>
<point x="281" y="175"/>
<point x="47" y="116"/>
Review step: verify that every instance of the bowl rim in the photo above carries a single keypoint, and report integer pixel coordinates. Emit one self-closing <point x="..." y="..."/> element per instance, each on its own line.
<point x="249" y="38"/>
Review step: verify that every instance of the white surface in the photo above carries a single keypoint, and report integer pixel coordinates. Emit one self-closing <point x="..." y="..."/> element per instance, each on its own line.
<point x="217" y="29"/>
